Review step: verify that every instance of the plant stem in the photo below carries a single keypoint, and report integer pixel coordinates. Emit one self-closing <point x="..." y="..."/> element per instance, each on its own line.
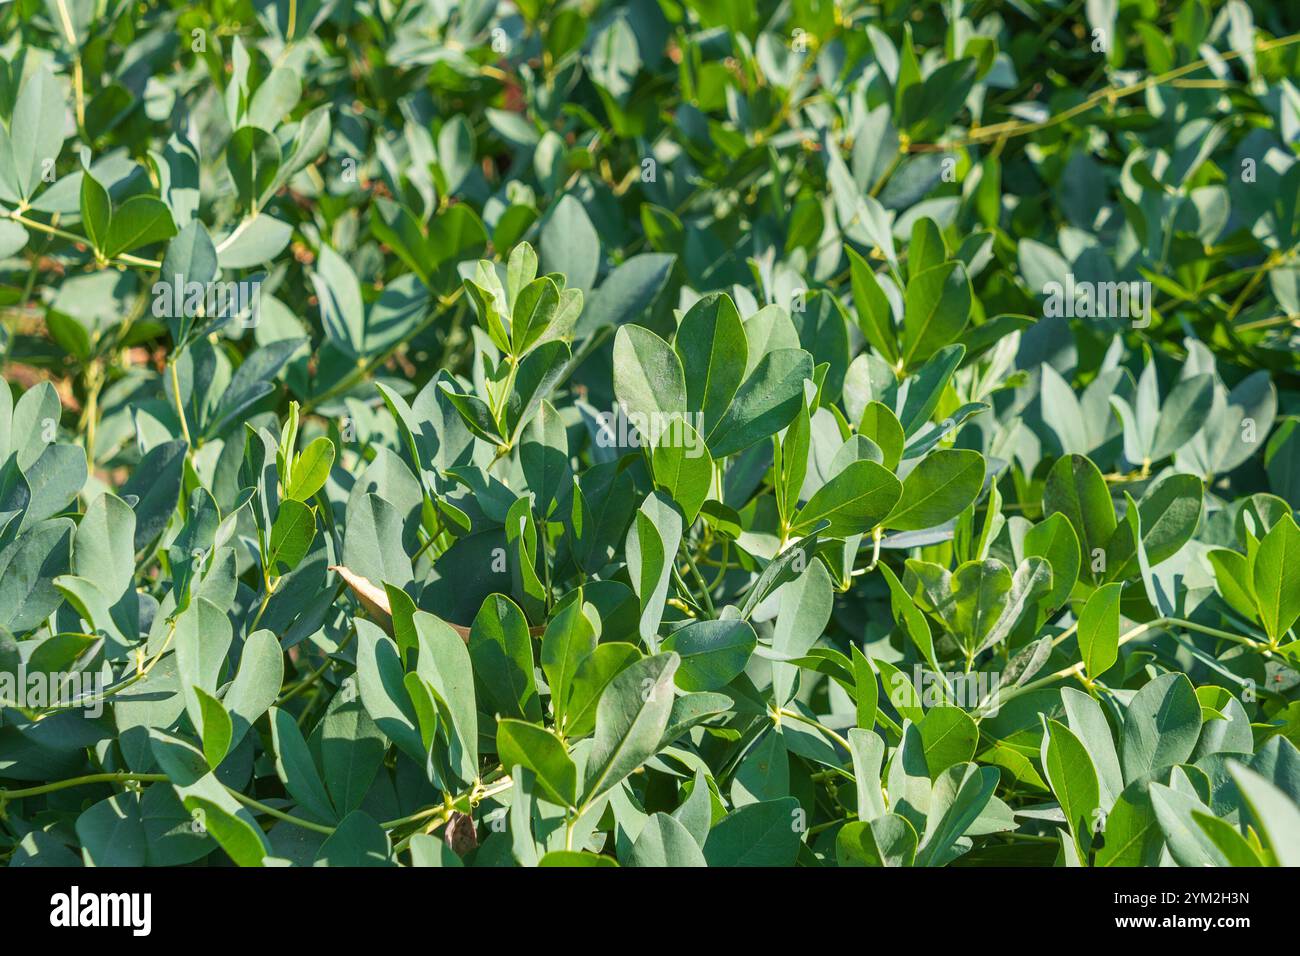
<point x="703" y="586"/>
<point x="39" y="226"/>
<point x="315" y="675"/>
<point x="180" y="405"/>
<point x="722" y="565"/>
<point x="1110" y="94"/>
<point x="261" y="608"/>
<point x="795" y="715"/>
<point x="361" y="371"/>
<point x="1076" y="669"/>
<point x="122" y="777"/>
<point x="90" y="414"/>
<point x="279" y="814"/>
<point x="78" y="78"/>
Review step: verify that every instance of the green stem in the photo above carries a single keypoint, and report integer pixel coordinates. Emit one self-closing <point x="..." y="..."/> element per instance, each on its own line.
<point x="261" y="608"/>
<point x="722" y="565"/>
<point x="687" y="596"/>
<point x="442" y="812"/>
<point x="124" y="777"/>
<point x="90" y="778"/>
<point x="180" y="405"/>
<point x="1075" y="669"/>
<point x="359" y="374"/>
<point x="39" y="226"/>
<point x="795" y="715"/>
<point x="279" y="814"/>
<point x="315" y="675"/>
<point x="703" y="585"/>
<point x="1109" y="94"/>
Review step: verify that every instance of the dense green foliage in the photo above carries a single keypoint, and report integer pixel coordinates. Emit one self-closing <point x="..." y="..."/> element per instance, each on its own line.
<point x="663" y="432"/>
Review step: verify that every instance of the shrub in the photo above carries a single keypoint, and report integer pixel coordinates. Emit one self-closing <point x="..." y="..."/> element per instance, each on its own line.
<point x="654" y="433"/>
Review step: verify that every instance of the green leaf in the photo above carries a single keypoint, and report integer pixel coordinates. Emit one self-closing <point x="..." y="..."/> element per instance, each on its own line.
<point x="1087" y="721"/>
<point x="888" y="840"/>
<point x="539" y="750"/>
<point x="758" y="834"/>
<point x="626" y="293"/>
<point x="805" y="611"/>
<point x="682" y="466"/>
<point x="140" y="221"/>
<point x="882" y="426"/>
<point x="948" y="736"/>
<point x="651" y="550"/>
<point x="112" y="833"/>
<point x="569" y="638"/>
<point x="1076" y="489"/>
<point x="900" y="692"/>
<point x="1186" y="842"/>
<point x="253" y="159"/>
<point x="937" y="489"/>
<point x="1054" y="540"/>
<point x="190" y="257"/>
<point x="648" y="377"/>
<point x="1132" y="834"/>
<point x="310" y="470"/>
<point x="444" y="662"/>
<point x="1073" y="779"/>
<point x="242" y="841"/>
<point x="104" y="549"/>
<point x="96" y="211"/>
<point x="215" y="728"/>
<point x="960" y="795"/>
<point x="1275" y="574"/>
<point x="570" y="244"/>
<point x="1169" y="514"/>
<point x="1182" y="415"/>
<point x="867" y="697"/>
<point x="1161" y="727"/>
<point x="630" y="721"/>
<point x="544" y="456"/>
<point x="35" y="134"/>
<point x="665" y="842"/>
<point x="1099" y="630"/>
<point x="981" y="593"/>
<point x="712" y="653"/>
<point x="342" y="312"/>
<point x="573" y="858"/>
<point x="201" y="639"/>
<point x="156" y="485"/>
<point x="357" y="841"/>
<point x="292" y="534"/>
<point x="936" y="307"/>
<point x="767" y="401"/>
<point x="1227" y="840"/>
<point x="502" y="656"/>
<point x="381" y="681"/>
<point x="351" y="748"/>
<point x="926" y="388"/>
<point x="535" y="308"/>
<point x="713" y="350"/>
<point x="373" y="528"/>
<point x="427" y="850"/>
<point x="297" y="769"/>
<point x="594" y="672"/>
<point x="874" y="314"/>
<point x="853" y="501"/>
<point x="257" y="684"/>
<point x="1275" y="813"/>
<point x="211" y="807"/>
